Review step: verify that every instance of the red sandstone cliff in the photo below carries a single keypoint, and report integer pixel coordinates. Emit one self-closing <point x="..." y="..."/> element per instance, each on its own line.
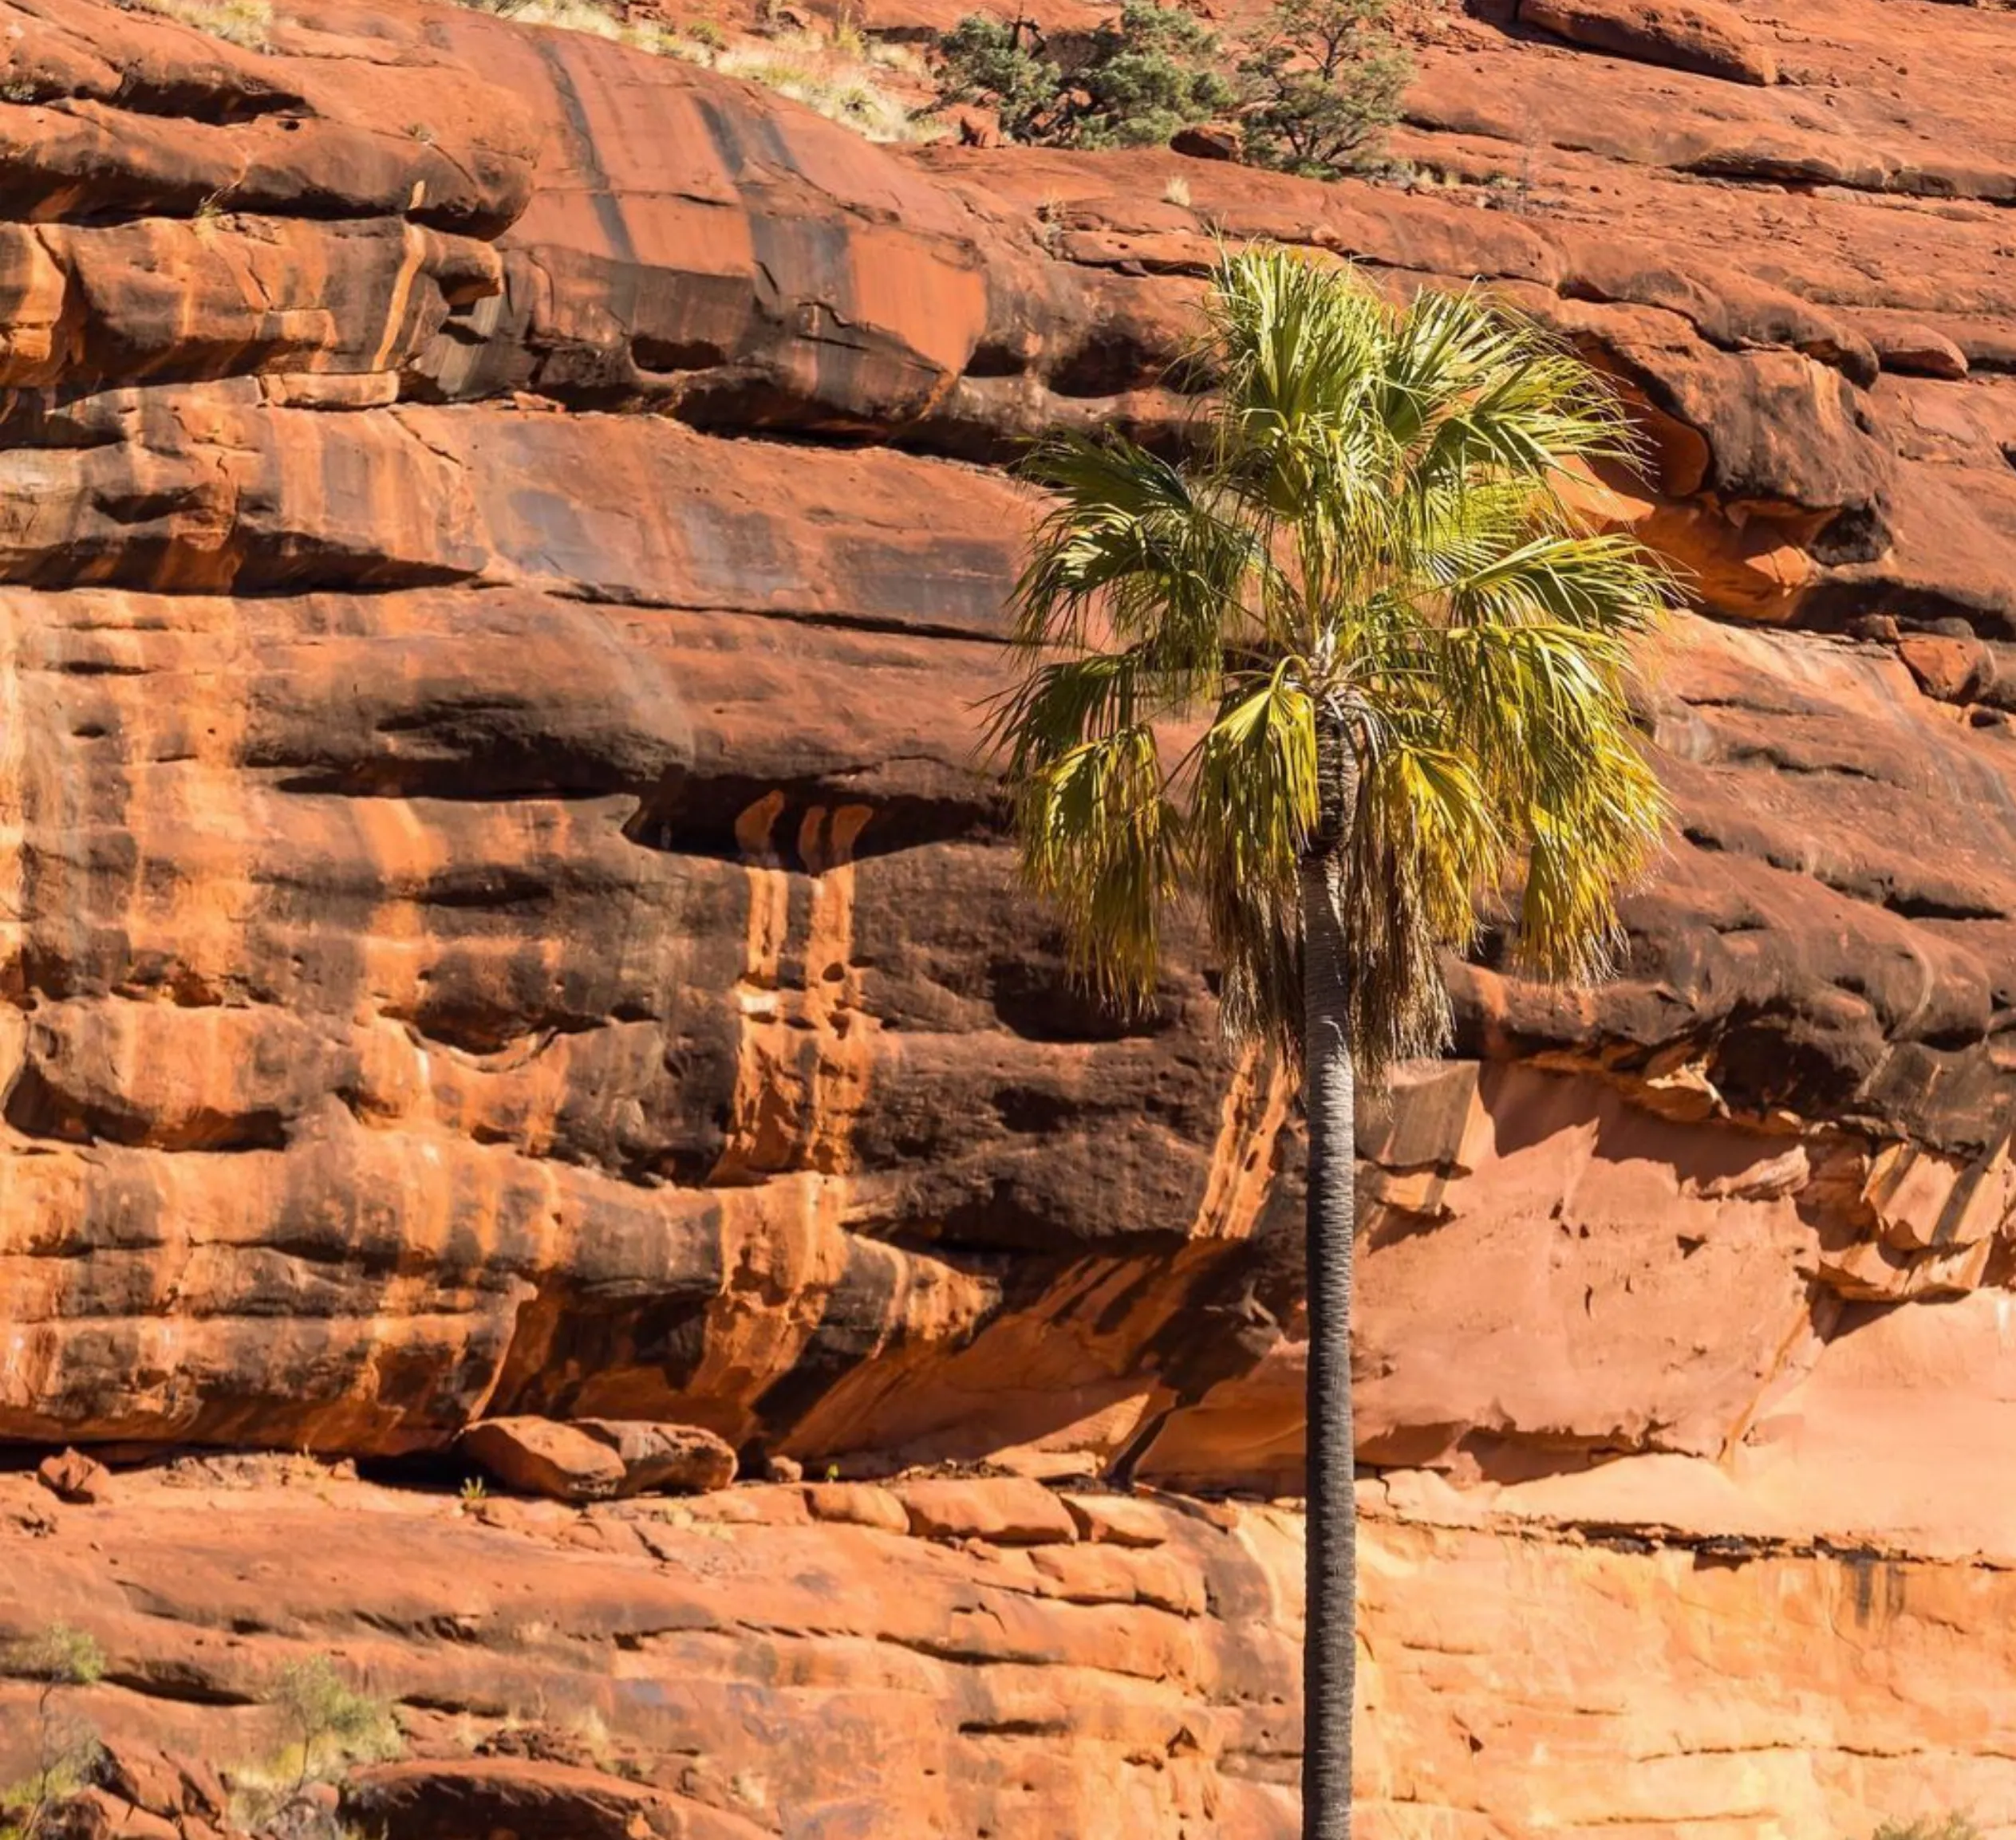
<point x="500" y="554"/>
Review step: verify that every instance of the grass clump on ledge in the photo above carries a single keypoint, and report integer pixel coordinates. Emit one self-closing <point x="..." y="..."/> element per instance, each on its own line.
<point x="844" y="78"/>
<point x="330" y="1724"/>
<point x="245" y="23"/>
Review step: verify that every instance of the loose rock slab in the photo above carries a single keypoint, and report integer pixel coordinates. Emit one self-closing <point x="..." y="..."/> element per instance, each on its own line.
<point x="1004" y="1511"/>
<point x="74" y="1477"/>
<point x="599" y="1459"/>
<point x="1696" y="35"/>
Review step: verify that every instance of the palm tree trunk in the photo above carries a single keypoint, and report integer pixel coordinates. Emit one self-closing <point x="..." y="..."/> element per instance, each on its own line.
<point x="1330" y="1654"/>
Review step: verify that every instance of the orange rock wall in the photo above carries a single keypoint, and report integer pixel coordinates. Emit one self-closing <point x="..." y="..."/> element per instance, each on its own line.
<point x="794" y="1658"/>
<point x="500" y="551"/>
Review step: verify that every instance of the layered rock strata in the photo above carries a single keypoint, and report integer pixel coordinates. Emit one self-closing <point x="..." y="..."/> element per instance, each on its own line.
<point x="502" y="549"/>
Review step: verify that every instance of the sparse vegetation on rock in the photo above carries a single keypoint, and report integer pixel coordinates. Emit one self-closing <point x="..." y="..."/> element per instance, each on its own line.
<point x="1317" y="87"/>
<point x="329" y="1721"/>
<point x="843" y="76"/>
<point x="67" y="1748"/>
<point x="841" y="73"/>
<point x="1132" y="82"/>
<point x="245" y="23"/>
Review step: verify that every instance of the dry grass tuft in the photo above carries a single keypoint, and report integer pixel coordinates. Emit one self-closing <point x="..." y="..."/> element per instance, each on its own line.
<point x="248" y="23"/>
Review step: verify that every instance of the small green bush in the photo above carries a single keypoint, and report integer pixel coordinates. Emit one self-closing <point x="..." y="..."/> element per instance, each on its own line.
<point x="1132" y="82"/>
<point x="1001" y="66"/>
<point x="331" y="1720"/>
<point x="1951" y="1828"/>
<point x="1147" y="74"/>
<point x="1320" y="85"/>
<point x="58" y="1657"/>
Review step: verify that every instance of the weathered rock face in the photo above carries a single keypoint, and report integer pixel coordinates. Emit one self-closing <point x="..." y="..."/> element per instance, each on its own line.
<point x="715" y="1671"/>
<point x="503" y="917"/>
<point x="786" y="1660"/>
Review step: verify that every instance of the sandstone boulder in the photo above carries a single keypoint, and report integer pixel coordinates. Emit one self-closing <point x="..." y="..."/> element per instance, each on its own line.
<point x="74" y="1477"/>
<point x="598" y="1459"/>
<point x="1702" y="36"/>
<point x="1003" y="1511"/>
<point x="1952" y="669"/>
<point x="96" y="1814"/>
<point x="1905" y="343"/>
<point x="1115" y="1520"/>
<point x="659" y="1459"/>
<point x="857" y="1504"/>
<point x="171" y="1787"/>
<point x="538" y="1456"/>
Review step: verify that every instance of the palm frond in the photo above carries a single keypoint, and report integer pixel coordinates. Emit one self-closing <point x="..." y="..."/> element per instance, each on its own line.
<point x="1098" y="836"/>
<point x="1256" y="797"/>
<point x="1605" y="583"/>
<point x="1592" y="831"/>
<point x="1252" y="807"/>
<point x="1424" y="847"/>
<point x="1131" y="538"/>
<point x="1475" y="387"/>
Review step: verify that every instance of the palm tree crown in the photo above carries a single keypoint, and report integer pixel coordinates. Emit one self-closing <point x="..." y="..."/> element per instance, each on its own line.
<point x="1377" y="538"/>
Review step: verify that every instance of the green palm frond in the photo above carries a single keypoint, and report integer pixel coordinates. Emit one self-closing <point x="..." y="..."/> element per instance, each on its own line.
<point x="1426" y="847"/>
<point x="1490" y="391"/>
<point x="1593" y="830"/>
<point x="1099" y="837"/>
<point x="1377" y="535"/>
<point x="1130" y="539"/>
<point x="1252" y="807"/>
<point x="1570" y="578"/>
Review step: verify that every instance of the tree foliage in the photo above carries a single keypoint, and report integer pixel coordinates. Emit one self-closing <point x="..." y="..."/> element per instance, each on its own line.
<point x="1316" y="86"/>
<point x="1131" y="82"/>
<point x="1000" y="63"/>
<point x="1320" y="85"/>
<point x="1379" y="530"/>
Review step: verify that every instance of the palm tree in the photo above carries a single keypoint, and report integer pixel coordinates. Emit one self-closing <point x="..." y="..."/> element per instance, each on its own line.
<point x="1355" y="668"/>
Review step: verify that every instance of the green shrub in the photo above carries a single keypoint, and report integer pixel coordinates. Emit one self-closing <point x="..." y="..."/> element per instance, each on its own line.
<point x="1951" y="1827"/>
<point x="1002" y="66"/>
<point x="331" y="1720"/>
<point x="1132" y="82"/>
<point x="1147" y="75"/>
<point x="67" y="1751"/>
<point x="1320" y="85"/>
